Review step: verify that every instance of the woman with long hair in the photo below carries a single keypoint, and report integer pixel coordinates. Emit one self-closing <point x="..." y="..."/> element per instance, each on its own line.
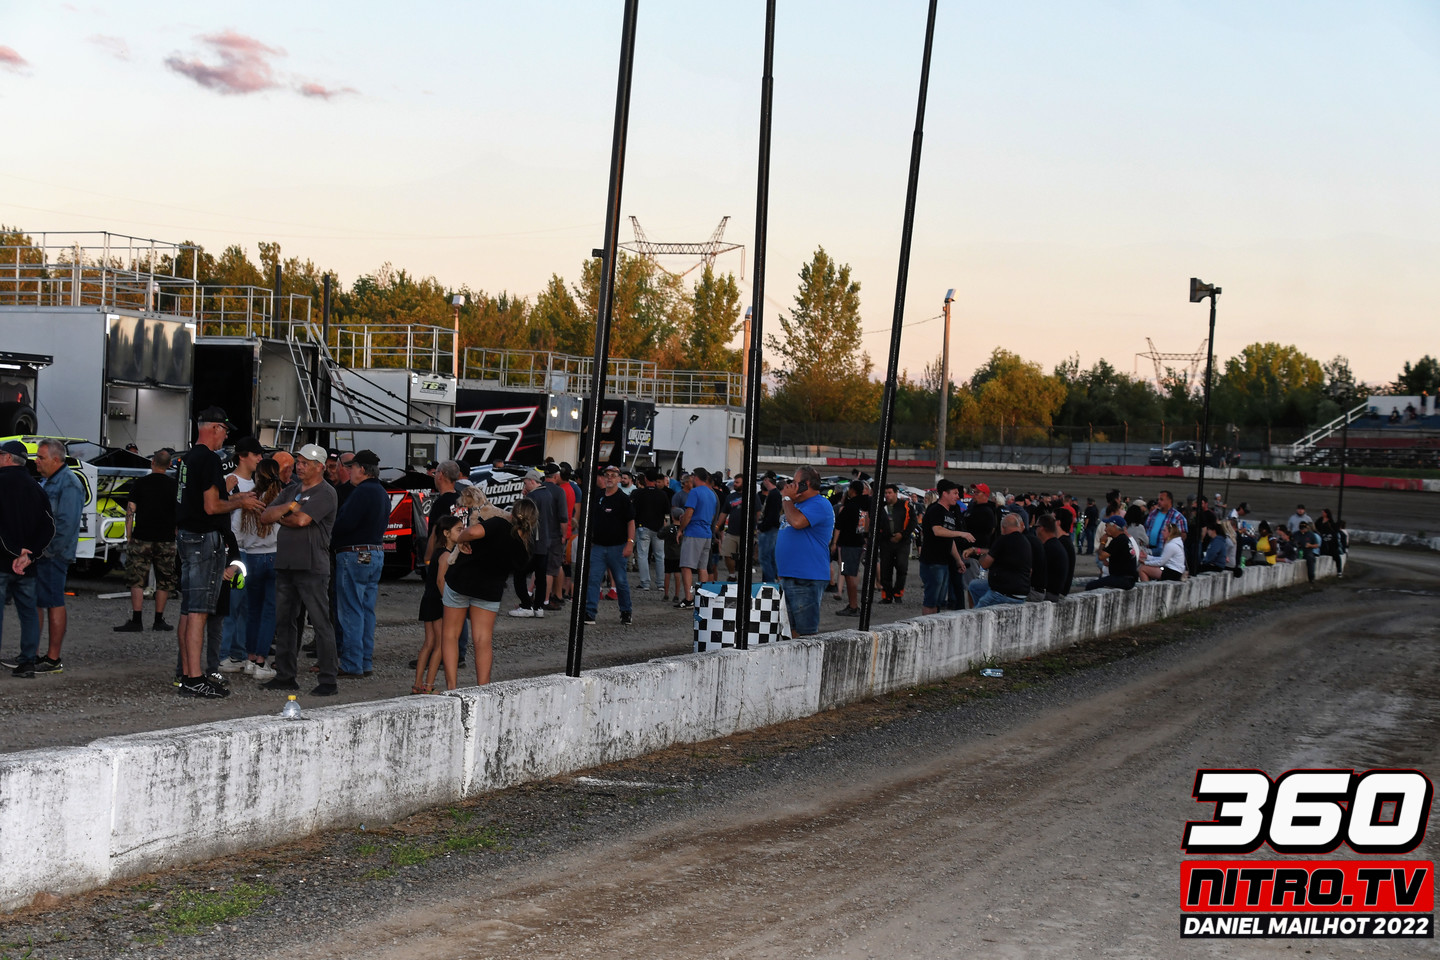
<point x="490" y="548"/>
<point x="432" y="606"/>
<point x="1169" y="563"/>
<point x="257" y="546"/>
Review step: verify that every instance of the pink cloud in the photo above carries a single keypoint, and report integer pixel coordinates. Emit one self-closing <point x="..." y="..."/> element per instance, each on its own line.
<point x="244" y="64"/>
<point x="320" y="91"/>
<point x="116" y="46"/>
<point x="12" y="60"/>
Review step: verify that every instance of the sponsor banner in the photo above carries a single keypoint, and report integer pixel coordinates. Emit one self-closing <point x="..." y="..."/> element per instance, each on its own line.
<point x="502" y="490"/>
<point x="517" y="419"/>
<point x="1379" y="814"/>
<point x="626" y="431"/>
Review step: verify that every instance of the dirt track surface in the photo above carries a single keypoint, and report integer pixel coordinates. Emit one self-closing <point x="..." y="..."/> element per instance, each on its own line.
<point x="1052" y="832"/>
<point x="118" y="683"/>
<point x="1028" y="817"/>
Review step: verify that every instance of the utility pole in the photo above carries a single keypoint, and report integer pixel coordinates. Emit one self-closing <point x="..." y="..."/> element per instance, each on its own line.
<point x="944" y="389"/>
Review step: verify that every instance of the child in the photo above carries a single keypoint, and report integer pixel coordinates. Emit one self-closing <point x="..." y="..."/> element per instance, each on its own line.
<point x="671" y="535"/>
<point x="432" y="610"/>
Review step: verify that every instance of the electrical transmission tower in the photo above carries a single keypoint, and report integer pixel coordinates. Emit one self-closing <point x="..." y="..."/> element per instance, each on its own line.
<point x="706" y="252"/>
<point x="1164" y="374"/>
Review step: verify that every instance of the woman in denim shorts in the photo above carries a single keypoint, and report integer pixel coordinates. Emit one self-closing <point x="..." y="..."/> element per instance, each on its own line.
<point x="493" y="545"/>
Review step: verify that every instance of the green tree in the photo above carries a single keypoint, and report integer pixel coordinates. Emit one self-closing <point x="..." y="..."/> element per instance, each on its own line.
<point x="558" y="322"/>
<point x="647" y="310"/>
<point x="1268" y="384"/>
<point x="823" y="374"/>
<point x="1423" y="377"/>
<point x="1104" y="396"/>
<point x="712" y="322"/>
<point x="1009" y="391"/>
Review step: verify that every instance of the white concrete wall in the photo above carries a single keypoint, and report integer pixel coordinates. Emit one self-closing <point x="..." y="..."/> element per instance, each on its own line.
<point x="1394" y="539"/>
<point x="77" y="818"/>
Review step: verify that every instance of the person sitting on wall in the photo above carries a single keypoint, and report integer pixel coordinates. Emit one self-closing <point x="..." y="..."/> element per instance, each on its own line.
<point x="1169" y="562"/>
<point x="1118" y="553"/>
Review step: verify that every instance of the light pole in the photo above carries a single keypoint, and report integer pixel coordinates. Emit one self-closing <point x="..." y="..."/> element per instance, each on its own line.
<point x="1339" y="393"/>
<point x="944" y="389"/>
<point x="675" y="467"/>
<point x="1199" y="290"/>
<point x="745" y="357"/>
<point x="457" y="302"/>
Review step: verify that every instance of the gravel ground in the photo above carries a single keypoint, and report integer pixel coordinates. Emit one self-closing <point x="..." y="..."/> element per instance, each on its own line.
<point x="1037" y="815"/>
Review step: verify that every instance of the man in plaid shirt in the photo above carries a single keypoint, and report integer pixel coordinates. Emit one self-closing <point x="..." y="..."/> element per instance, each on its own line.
<point x="1162" y="514"/>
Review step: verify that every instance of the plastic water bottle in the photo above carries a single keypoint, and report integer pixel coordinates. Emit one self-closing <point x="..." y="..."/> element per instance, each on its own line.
<point x="992" y="672"/>
<point x="291" y="710"/>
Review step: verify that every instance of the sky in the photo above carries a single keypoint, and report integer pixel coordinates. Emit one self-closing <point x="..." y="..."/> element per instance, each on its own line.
<point x="1080" y="161"/>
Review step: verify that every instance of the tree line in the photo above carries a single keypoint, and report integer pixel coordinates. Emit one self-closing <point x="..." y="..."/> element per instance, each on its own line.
<point x="818" y="374"/>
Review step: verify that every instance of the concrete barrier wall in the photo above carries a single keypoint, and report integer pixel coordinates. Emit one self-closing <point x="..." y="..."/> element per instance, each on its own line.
<point x="77" y="818"/>
<point x="1394" y="539"/>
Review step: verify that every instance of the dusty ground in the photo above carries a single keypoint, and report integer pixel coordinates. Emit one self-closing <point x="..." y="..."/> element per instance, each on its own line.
<point x="1038" y="815"/>
<point x="120" y="683"/>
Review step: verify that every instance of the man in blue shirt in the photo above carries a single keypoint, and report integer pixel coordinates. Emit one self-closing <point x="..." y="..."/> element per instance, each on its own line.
<point x="358" y="541"/>
<point x="67" y="502"/>
<point x="698" y="526"/>
<point x="802" y="549"/>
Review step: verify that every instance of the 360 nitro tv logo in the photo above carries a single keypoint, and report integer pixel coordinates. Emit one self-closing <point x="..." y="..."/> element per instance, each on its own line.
<point x="1381" y="814"/>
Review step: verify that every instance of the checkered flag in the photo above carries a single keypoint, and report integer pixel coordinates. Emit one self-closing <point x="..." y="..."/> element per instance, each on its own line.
<point x="717" y="617"/>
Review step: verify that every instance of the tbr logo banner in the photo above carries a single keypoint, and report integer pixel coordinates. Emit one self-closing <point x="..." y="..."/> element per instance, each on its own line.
<point x="1380" y="814"/>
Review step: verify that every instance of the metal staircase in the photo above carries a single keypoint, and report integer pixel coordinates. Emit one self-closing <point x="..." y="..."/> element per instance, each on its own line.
<point x="339" y="392"/>
<point x="1301" y="449"/>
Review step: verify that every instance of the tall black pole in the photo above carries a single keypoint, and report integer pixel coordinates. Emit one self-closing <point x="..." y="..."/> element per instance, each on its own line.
<point x="892" y="369"/>
<point x="581" y="560"/>
<point x="1205" y="429"/>
<point x="1344" y="457"/>
<point x="323" y="410"/>
<point x="757" y="327"/>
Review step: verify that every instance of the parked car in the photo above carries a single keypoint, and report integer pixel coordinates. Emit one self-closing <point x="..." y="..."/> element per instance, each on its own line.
<point x="1180" y="453"/>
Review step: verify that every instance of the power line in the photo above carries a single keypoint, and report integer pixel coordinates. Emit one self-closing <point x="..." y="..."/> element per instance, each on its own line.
<point x="912" y="323"/>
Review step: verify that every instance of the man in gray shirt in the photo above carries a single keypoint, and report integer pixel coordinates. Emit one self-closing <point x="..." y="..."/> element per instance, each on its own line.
<point x="305" y="511"/>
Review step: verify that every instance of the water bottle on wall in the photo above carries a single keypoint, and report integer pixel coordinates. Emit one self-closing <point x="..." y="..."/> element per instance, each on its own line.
<point x="291" y="710"/>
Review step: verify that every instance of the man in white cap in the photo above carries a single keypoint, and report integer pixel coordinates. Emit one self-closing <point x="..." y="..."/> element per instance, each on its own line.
<point x="305" y="511"/>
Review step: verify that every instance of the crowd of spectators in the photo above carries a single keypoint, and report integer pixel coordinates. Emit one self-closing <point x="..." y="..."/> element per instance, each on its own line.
<point x="287" y="539"/>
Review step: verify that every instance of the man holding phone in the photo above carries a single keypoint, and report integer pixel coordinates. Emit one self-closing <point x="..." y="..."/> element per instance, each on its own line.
<point x="802" y="549"/>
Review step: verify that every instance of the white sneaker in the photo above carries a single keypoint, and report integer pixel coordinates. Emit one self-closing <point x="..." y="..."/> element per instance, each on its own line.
<point x="232" y="665"/>
<point x="522" y="612"/>
<point x="261" y="672"/>
<point x="539" y="614"/>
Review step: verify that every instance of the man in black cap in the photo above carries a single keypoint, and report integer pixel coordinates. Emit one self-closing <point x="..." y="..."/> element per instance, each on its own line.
<point x="1120" y="556"/>
<point x="26" y="528"/>
<point x="358" y="542"/>
<point x="201" y="515"/>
